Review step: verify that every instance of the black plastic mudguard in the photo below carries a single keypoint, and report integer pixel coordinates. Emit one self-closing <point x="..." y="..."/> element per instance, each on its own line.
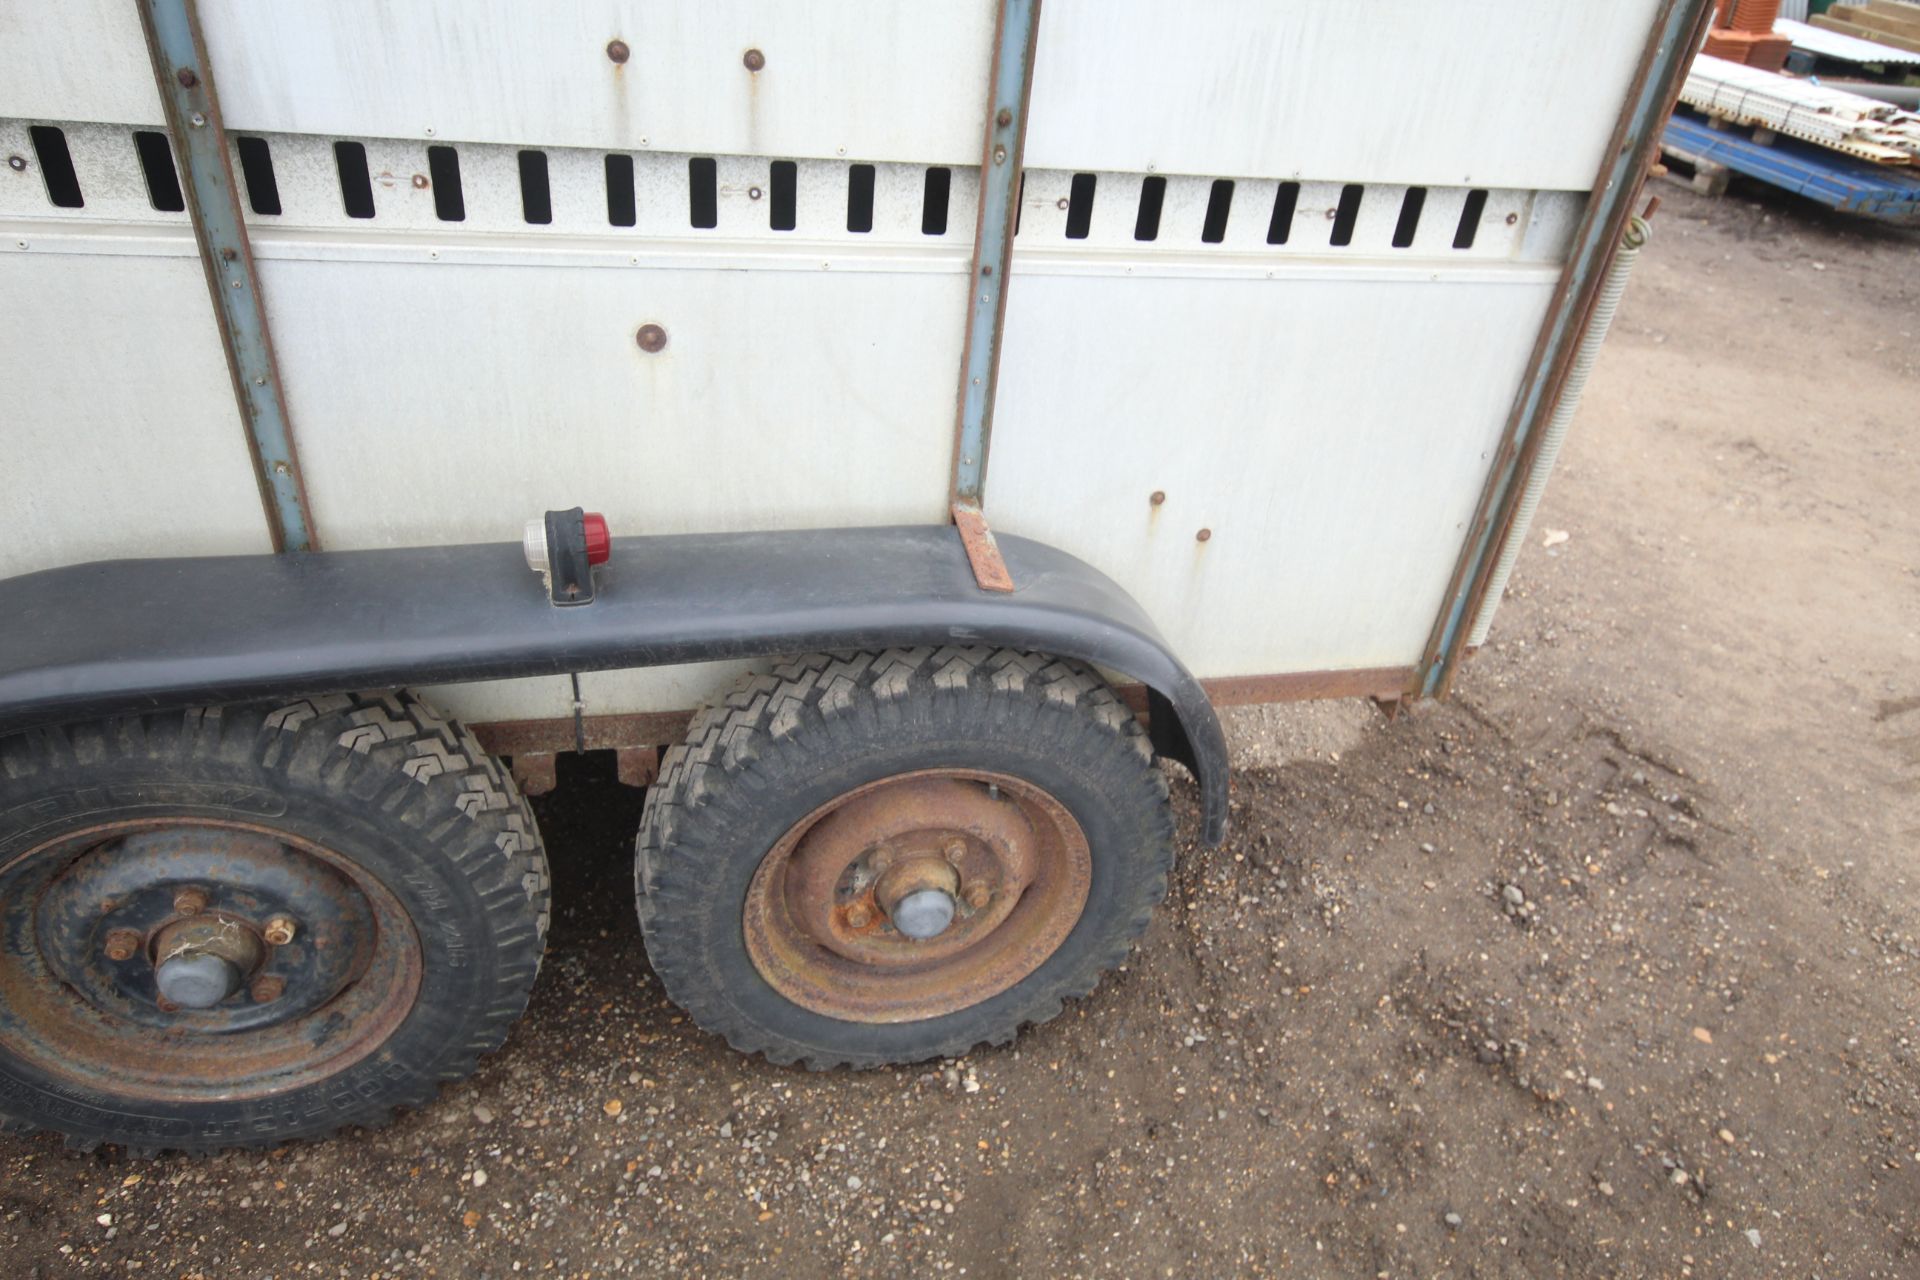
<point x="123" y="636"/>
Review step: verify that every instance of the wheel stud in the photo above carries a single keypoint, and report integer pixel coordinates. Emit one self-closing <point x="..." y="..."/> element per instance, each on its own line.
<point x="858" y="916"/>
<point x="190" y="902"/>
<point x="267" y="988"/>
<point x="279" y="930"/>
<point x="979" y="895"/>
<point x="122" y="944"/>
<point x="880" y="859"/>
<point x="956" y="850"/>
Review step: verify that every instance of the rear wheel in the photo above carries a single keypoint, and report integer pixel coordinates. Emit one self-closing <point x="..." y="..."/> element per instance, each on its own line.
<point x="872" y="858"/>
<point x="239" y="924"/>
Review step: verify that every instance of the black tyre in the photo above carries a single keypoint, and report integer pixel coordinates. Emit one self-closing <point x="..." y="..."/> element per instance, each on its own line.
<point x="885" y="857"/>
<point x="233" y="925"/>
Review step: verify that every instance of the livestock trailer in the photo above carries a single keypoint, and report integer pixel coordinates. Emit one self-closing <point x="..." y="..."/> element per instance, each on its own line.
<point x="341" y="339"/>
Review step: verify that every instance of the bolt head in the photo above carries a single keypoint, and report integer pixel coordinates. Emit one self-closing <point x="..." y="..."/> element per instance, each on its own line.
<point x="753" y="60"/>
<point x="617" y="51"/>
<point x="880" y="859"/>
<point x="1203" y="535"/>
<point x="17" y="163"/>
<point x="186" y="77"/>
<point x="1159" y="496"/>
<point x="651" y="338"/>
<point x="190" y="902"/>
<point x="955" y="850"/>
<point x="858" y="916"/>
<point x="1005" y="117"/>
<point x="267" y="988"/>
<point x="979" y="895"/>
<point x="122" y="945"/>
<point x="279" y="930"/>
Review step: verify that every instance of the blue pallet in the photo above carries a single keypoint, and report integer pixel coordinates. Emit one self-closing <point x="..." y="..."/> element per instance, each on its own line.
<point x="1834" y="179"/>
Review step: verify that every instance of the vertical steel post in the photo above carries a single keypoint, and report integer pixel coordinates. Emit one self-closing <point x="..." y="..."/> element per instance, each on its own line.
<point x="1675" y="35"/>
<point x="1016" y="30"/>
<point x="181" y="68"/>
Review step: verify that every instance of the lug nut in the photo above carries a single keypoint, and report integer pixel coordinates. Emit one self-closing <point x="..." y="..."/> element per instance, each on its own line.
<point x="881" y="858"/>
<point x="858" y="916"/>
<point x="123" y="944"/>
<point x="267" y="988"/>
<point x="979" y="895"/>
<point x="165" y="1005"/>
<point x="190" y="902"/>
<point x="279" y="931"/>
<point x="956" y="850"/>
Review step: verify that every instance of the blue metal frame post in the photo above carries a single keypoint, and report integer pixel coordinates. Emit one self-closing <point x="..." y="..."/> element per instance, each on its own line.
<point x="1675" y="35"/>
<point x="1016" y="31"/>
<point x="185" y="78"/>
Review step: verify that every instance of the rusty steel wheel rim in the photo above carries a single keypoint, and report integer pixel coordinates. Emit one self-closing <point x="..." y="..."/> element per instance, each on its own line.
<point x="1012" y="864"/>
<point x="327" y="961"/>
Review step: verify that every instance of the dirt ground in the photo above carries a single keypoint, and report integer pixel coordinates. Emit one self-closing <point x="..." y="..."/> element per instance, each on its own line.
<point x="1606" y="968"/>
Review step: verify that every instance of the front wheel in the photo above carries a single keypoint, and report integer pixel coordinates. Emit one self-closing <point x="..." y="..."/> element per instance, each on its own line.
<point x="875" y="858"/>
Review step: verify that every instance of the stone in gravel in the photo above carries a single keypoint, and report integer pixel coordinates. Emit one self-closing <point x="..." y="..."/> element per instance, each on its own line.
<point x="1513" y="894"/>
<point x="726" y="1130"/>
<point x="1678" y="1177"/>
<point x="338" y="1229"/>
<point x="483" y="1114"/>
<point x="1606" y="1189"/>
<point x="1726" y="1136"/>
<point x="1753" y="1237"/>
<point x="1453" y="1220"/>
<point x="1594" y="1083"/>
<point x="853" y="1182"/>
<point x="479" y="1178"/>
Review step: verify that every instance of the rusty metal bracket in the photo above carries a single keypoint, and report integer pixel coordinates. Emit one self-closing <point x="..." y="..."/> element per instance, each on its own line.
<point x="185" y="77"/>
<point x="983" y="553"/>
<point x="1676" y="33"/>
<point x="1016" y="29"/>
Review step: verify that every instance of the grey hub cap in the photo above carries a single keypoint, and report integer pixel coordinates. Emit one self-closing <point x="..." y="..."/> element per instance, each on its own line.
<point x="197" y="981"/>
<point x="923" y="914"/>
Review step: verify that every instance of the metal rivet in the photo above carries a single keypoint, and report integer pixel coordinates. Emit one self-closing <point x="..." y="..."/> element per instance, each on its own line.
<point x="753" y="193"/>
<point x="280" y="930"/>
<point x="651" y="338"/>
<point x="858" y="917"/>
<point x="1512" y="218"/>
<point x="228" y="255"/>
<point x="122" y="944"/>
<point x="1203" y="535"/>
<point x="190" y="902"/>
<point x="196" y="119"/>
<point x="979" y="895"/>
<point x="17" y="163"/>
<point x="186" y="77"/>
<point x="1159" y="496"/>
<point x="753" y="59"/>
<point x="1332" y="214"/>
<point x="617" y="50"/>
<point x="267" y="988"/>
<point x="419" y="182"/>
<point x="986" y="268"/>
<point x="999" y="155"/>
<point x="1005" y="117"/>
<point x="1062" y="203"/>
<point x="236" y="284"/>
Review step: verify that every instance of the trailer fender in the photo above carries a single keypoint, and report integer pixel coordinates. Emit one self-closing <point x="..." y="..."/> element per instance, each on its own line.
<point x="128" y="636"/>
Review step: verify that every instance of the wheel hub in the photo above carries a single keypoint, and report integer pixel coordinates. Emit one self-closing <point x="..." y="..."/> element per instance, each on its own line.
<point x="917" y="896"/>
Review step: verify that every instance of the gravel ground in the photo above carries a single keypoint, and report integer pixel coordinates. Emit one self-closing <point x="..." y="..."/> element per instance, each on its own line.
<point x="1605" y="968"/>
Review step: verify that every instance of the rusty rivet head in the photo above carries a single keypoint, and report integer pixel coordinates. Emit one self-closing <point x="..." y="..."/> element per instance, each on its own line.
<point x="17" y="163"/>
<point x="190" y="902"/>
<point x="1512" y="218"/>
<point x="267" y="988"/>
<point x="1159" y="496"/>
<point x="986" y="268"/>
<point x="279" y="930"/>
<point x="1005" y="117"/>
<point x="617" y="51"/>
<point x="858" y="916"/>
<point x="229" y="255"/>
<point x="122" y="944"/>
<point x="1203" y="535"/>
<point x="186" y="77"/>
<point x="651" y="338"/>
<point x="753" y="59"/>
<point x="955" y="851"/>
<point x="419" y="182"/>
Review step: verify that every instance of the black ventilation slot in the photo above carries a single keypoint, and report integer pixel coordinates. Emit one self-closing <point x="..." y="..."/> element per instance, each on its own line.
<point x="1153" y="196"/>
<point x="620" y="206"/>
<point x="783" y="181"/>
<point x="1409" y="224"/>
<point x="1470" y="214"/>
<point x="1080" y="206"/>
<point x="156" y="162"/>
<point x="536" y="196"/>
<point x="860" y="197"/>
<point x="1280" y="222"/>
<point x="356" y="189"/>
<point x="1219" y="205"/>
<point x="56" y="166"/>
<point x="256" y="166"/>
<point x="449" y="203"/>
<point x="1346" y="214"/>
<point x="933" y="202"/>
<point x="703" y="193"/>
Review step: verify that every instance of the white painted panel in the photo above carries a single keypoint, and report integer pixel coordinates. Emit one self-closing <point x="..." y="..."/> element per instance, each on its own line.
<point x="1331" y="428"/>
<point x="490" y="701"/>
<point x="863" y="79"/>
<point x="120" y="436"/>
<point x="1469" y="92"/>
<point x="441" y="402"/>
<point x="76" y="60"/>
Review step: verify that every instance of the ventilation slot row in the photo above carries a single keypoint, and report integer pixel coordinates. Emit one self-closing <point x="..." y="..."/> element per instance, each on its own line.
<point x="256" y="168"/>
<point x="1470" y="214"/>
<point x="56" y="167"/>
<point x="536" y="197"/>
<point x="933" y="201"/>
<point x="156" y="164"/>
<point x="621" y="210"/>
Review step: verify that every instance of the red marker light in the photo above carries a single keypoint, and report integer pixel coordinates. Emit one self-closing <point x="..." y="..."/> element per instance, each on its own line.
<point x="599" y="539"/>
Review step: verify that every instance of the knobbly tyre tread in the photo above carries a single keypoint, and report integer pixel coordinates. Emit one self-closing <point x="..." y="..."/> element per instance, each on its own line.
<point x="733" y="756"/>
<point x="390" y="752"/>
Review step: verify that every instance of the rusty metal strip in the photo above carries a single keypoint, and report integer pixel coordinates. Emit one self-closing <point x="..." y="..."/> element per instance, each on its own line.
<point x="1631" y="152"/>
<point x="983" y="553"/>
<point x="1016" y="29"/>
<point x="185" y="77"/>
<point x="598" y="733"/>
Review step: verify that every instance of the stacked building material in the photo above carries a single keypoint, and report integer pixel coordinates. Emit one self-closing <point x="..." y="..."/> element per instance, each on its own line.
<point x="1742" y="31"/>
<point x="1893" y="22"/>
<point x="1877" y="131"/>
